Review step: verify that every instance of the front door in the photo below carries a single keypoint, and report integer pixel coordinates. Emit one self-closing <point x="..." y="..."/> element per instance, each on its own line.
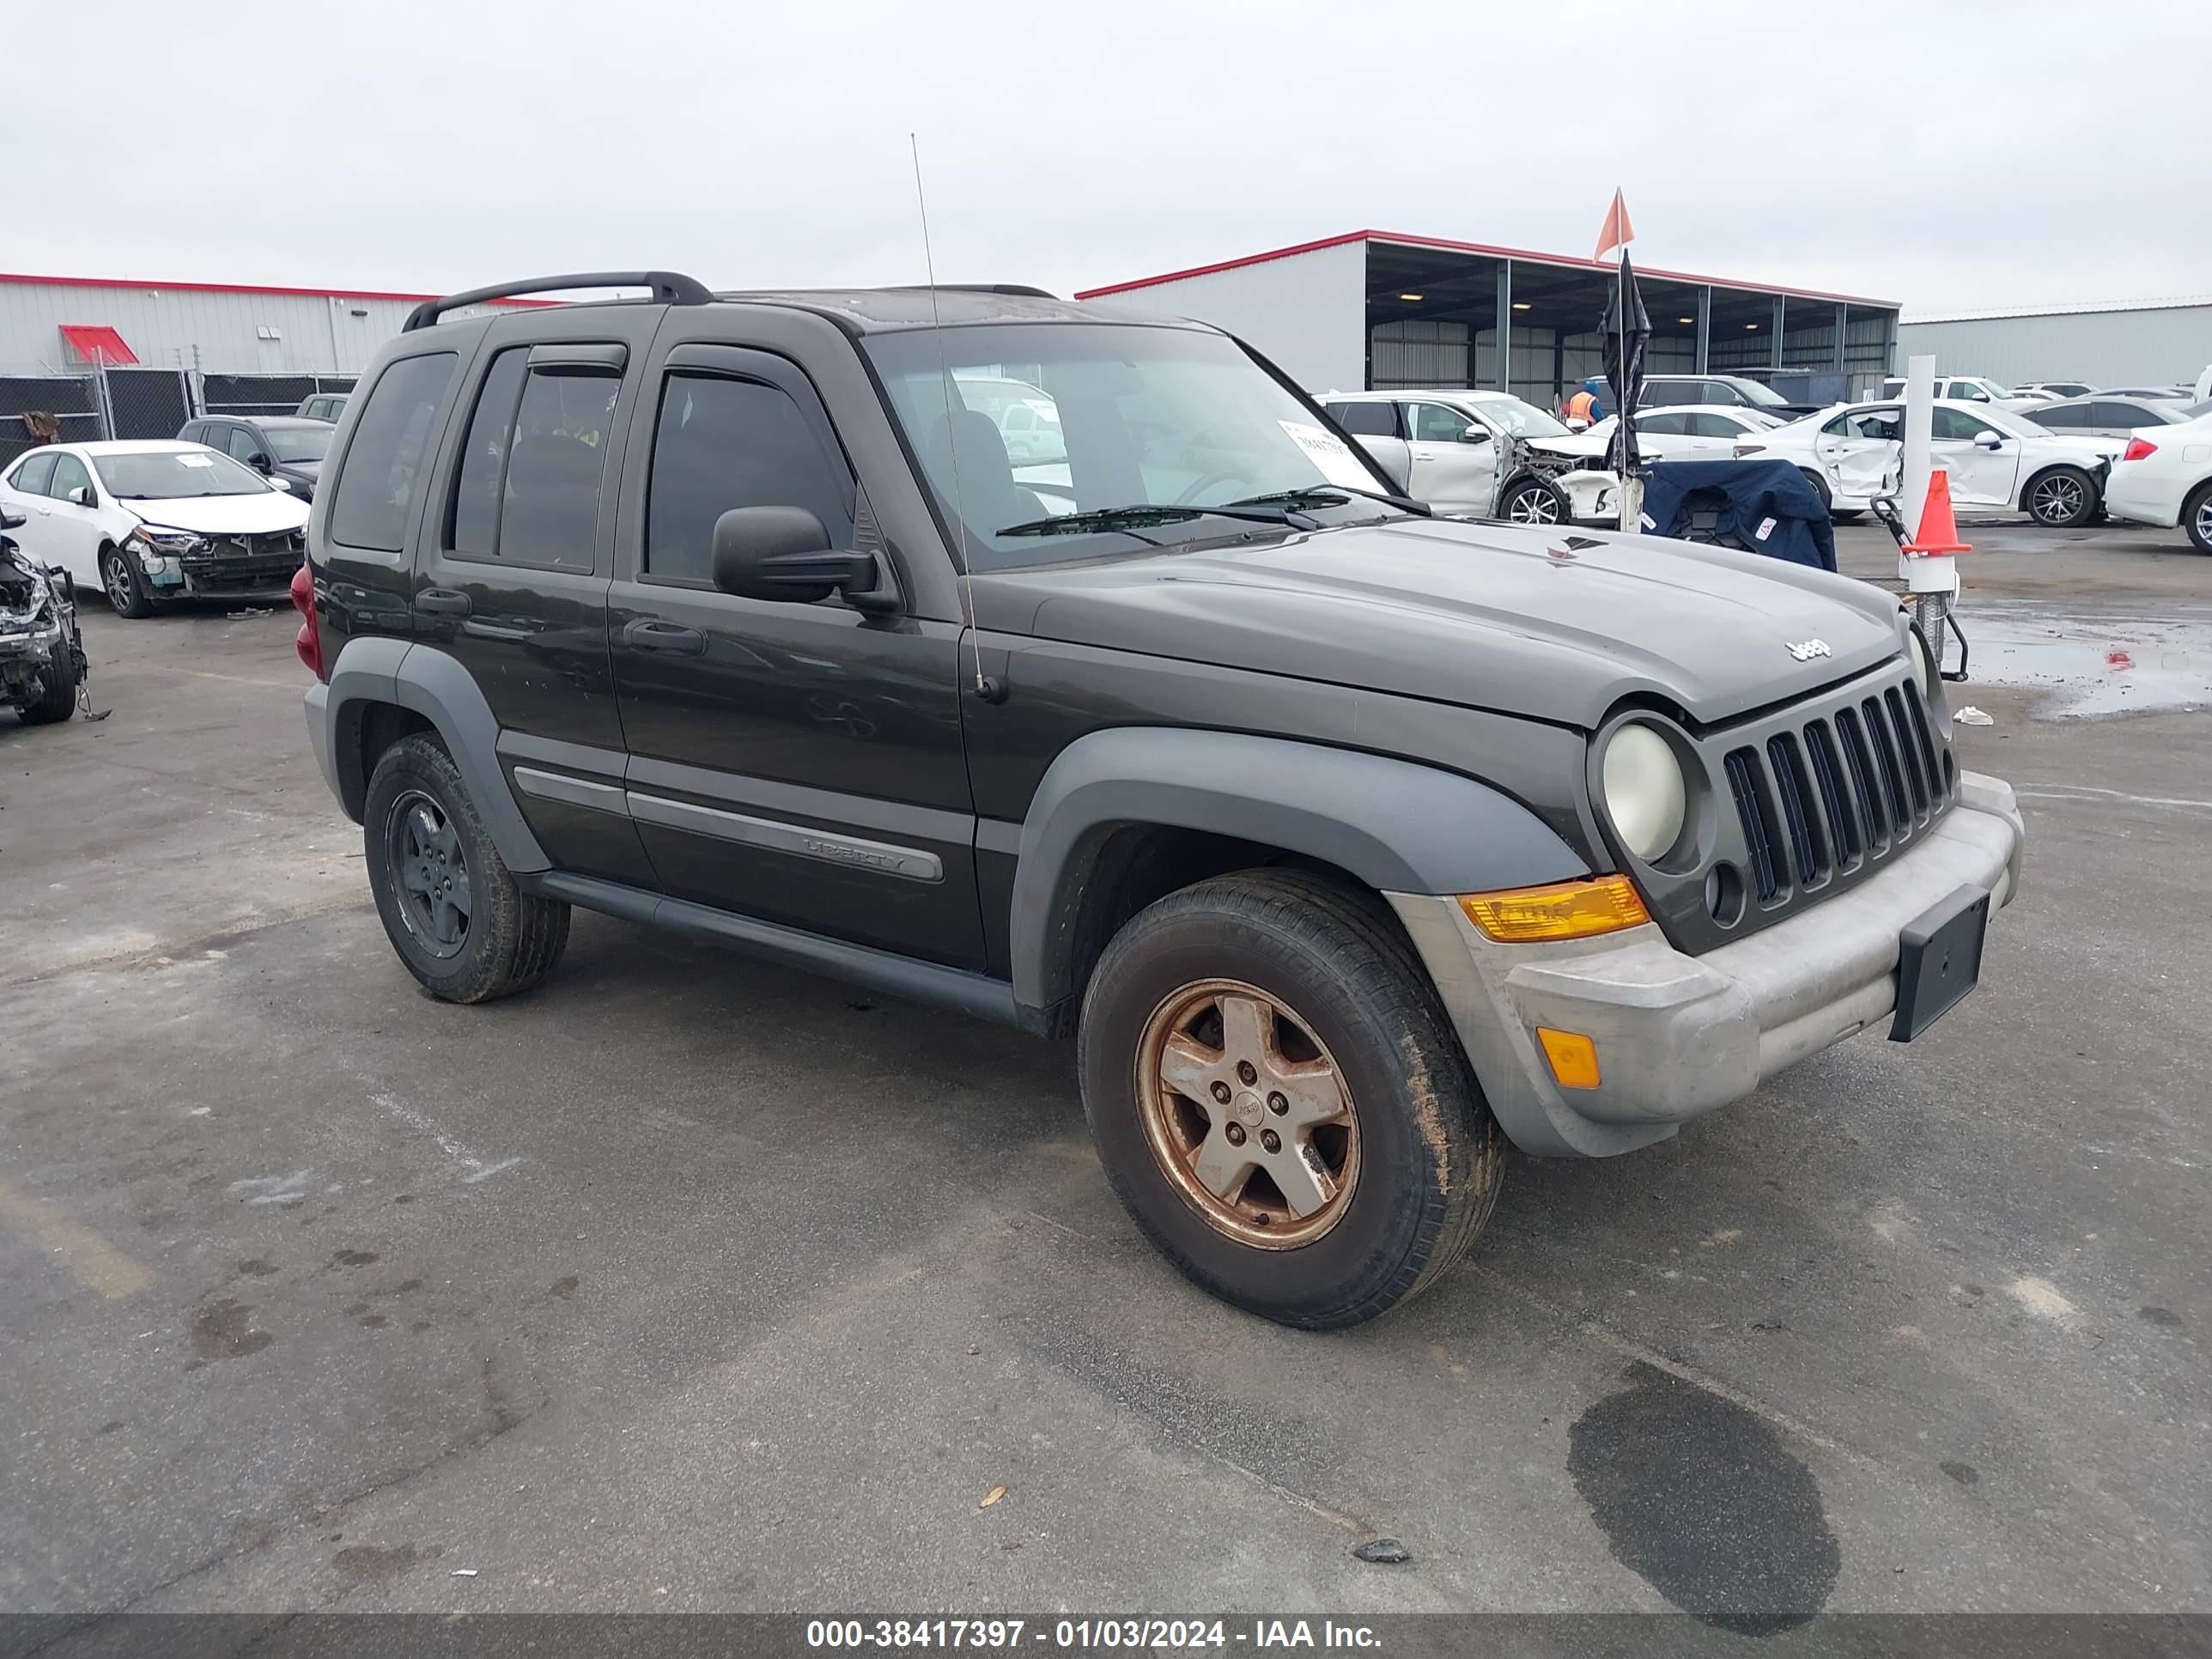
<point x="513" y="581"/>
<point x="1449" y="469"/>
<point x="69" y="530"/>
<point x="799" y="763"/>
<point x="1984" y="462"/>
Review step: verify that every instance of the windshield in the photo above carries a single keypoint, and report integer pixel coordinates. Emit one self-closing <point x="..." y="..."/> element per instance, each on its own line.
<point x="1522" y="420"/>
<point x="175" y="475"/>
<point x="1764" y="396"/>
<point x="1037" y="421"/>
<point x="299" y="443"/>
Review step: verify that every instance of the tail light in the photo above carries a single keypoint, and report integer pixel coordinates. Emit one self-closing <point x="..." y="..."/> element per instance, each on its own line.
<point x="1743" y="450"/>
<point x="2139" y="449"/>
<point x="308" y="643"/>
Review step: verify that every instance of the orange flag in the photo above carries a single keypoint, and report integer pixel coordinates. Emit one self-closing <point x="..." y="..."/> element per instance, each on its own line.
<point x="1618" y="232"/>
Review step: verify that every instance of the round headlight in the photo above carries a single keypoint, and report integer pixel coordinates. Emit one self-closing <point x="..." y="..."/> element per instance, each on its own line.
<point x="1645" y="795"/>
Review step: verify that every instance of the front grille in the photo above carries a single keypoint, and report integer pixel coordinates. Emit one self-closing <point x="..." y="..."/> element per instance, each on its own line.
<point x="1837" y="789"/>
<point x="238" y="563"/>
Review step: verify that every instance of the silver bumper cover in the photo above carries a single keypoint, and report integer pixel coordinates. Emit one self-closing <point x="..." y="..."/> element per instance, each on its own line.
<point x="1677" y="1036"/>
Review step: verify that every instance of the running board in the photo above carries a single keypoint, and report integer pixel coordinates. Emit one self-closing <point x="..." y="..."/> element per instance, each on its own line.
<point x="977" y="994"/>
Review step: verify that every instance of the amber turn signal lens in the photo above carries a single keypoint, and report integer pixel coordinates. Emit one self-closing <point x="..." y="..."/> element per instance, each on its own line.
<point x="1573" y="1057"/>
<point x="1565" y="909"/>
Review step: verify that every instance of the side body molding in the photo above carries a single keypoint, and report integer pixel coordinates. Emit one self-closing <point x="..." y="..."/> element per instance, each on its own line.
<point x="1397" y="825"/>
<point x="373" y="669"/>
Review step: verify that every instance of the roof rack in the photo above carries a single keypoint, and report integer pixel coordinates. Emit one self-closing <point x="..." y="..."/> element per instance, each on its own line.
<point x="1021" y="288"/>
<point x="670" y="288"/>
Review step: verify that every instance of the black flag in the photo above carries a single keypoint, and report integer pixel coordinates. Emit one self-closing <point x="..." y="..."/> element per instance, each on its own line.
<point x="1625" y="336"/>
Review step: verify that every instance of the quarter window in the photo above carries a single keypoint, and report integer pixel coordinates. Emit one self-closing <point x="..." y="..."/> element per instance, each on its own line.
<point x="385" y="465"/>
<point x="721" y="443"/>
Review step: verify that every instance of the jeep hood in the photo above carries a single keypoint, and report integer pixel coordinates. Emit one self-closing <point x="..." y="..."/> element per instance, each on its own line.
<point x="1551" y="624"/>
<point x="225" y="516"/>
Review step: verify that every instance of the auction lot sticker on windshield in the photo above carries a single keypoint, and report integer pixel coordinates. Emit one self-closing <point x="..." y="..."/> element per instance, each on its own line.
<point x="1330" y="454"/>
<point x="196" y="460"/>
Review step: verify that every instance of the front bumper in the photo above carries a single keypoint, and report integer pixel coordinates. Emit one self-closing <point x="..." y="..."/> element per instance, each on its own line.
<point x="1677" y="1036"/>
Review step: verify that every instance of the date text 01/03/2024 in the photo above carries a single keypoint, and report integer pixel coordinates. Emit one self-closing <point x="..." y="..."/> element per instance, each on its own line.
<point x="1085" y="1634"/>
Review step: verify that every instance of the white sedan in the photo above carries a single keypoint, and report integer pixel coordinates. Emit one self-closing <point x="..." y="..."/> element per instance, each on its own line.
<point x="2164" y="477"/>
<point x="145" y="521"/>
<point x="1995" y="459"/>
<point x="1703" y="432"/>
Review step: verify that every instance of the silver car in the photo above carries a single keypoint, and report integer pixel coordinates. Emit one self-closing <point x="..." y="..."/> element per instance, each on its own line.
<point x="2110" y="414"/>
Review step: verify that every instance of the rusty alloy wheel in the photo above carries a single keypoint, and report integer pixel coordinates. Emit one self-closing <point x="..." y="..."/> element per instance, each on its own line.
<point x="1248" y="1115"/>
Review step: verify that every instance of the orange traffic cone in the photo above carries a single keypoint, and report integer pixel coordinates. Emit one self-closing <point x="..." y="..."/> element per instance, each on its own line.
<point x="1938" y="532"/>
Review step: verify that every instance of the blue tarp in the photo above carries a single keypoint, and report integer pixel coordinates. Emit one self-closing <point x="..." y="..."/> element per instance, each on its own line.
<point x="1754" y="496"/>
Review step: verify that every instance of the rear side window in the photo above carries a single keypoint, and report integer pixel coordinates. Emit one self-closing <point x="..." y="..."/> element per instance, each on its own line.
<point x="721" y="443"/>
<point x="31" y="478"/>
<point x="556" y="459"/>
<point x="474" y="532"/>
<point x="385" y="466"/>
<point x="2121" y="415"/>
<point x="1366" y="420"/>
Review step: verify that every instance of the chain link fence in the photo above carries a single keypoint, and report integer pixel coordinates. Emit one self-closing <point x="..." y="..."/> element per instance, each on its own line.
<point x="139" y="403"/>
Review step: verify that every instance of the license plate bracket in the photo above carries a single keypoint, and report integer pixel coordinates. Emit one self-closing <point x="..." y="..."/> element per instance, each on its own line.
<point x="1939" y="961"/>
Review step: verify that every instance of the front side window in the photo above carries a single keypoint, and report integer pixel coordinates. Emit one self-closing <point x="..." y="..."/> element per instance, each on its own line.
<point x="1664" y="425"/>
<point x="2067" y="417"/>
<point x="381" y="475"/>
<point x="171" y="475"/>
<point x="1884" y="424"/>
<point x="33" y="476"/>
<point x="1955" y="425"/>
<point x="69" y="474"/>
<point x="240" y="443"/>
<point x="721" y="443"/>
<point x="298" y="443"/>
<point x="1434" y="424"/>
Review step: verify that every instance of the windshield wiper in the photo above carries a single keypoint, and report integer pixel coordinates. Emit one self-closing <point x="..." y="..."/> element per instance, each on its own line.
<point x="1142" y="514"/>
<point x="1318" y="494"/>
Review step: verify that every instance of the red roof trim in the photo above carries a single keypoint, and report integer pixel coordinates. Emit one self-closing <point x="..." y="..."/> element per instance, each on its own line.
<point x="246" y="287"/>
<point x="1525" y="256"/>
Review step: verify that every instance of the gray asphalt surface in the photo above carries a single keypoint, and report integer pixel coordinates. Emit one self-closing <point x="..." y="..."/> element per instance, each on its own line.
<point x="687" y="1283"/>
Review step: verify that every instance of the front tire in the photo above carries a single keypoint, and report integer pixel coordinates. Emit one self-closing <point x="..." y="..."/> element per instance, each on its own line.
<point x="449" y="905"/>
<point x="2197" y="517"/>
<point x="58" y="700"/>
<point x="2061" y="498"/>
<point x="125" y="586"/>
<point x="1534" y="502"/>
<point x="1280" y="1102"/>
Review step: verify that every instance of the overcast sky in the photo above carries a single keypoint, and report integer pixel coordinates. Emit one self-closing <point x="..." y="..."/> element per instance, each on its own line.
<point x="1985" y="152"/>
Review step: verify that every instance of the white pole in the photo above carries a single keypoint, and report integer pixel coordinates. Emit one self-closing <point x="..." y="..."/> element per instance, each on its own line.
<point x="1919" y="434"/>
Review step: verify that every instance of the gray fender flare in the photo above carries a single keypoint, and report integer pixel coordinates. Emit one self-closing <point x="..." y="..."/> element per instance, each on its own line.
<point x="431" y="684"/>
<point x="1398" y="826"/>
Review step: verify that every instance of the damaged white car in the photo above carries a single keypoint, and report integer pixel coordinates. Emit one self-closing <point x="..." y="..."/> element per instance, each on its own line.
<point x="41" y="650"/>
<point x="1485" y="453"/>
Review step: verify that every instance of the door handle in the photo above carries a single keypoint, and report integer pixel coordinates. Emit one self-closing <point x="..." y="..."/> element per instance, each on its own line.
<point x="442" y="602"/>
<point x="652" y="634"/>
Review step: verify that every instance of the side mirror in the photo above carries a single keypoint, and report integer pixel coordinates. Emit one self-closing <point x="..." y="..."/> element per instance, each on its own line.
<point x="81" y="496"/>
<point x="1475" y="434"/>
<point x="11" y="519"/>
<point x="258" y="460"/>
<point x="279" y="483"/>
<point x="782" y="554"/>
<point x="1989" y="440"/>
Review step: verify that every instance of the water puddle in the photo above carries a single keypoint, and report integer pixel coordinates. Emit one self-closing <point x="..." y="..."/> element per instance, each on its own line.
<point x="2087" y="665"/>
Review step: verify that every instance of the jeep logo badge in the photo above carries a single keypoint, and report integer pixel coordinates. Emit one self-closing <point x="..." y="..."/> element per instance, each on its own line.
<point x="1806" y="650"/>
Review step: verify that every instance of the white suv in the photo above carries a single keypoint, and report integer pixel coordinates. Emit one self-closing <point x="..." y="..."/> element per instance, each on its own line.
<point x="1487" y="454"/>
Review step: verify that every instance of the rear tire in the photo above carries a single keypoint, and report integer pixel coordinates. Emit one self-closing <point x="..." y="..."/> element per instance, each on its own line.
<point x="2061" y="498"/>
<point x="1398" y="1182"/>
<point x="449" y="905"/>
<point x="2197" y="517"/>
<point x="125" y="586"/>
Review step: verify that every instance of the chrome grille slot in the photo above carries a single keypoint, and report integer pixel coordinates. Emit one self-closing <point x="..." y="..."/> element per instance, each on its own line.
<point x="1761" y="840"/>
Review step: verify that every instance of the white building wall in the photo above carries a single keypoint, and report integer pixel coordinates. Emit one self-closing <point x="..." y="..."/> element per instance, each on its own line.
<point x="1305" y="311"/>
<point x="2146" y="346"/>
<point x="313" y="333"/>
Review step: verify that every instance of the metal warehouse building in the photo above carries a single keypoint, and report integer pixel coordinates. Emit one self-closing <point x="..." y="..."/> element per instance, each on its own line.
<point x="2149" y="343"/>
<point x="69" y="324"/>
<point x="1376" y="309"/>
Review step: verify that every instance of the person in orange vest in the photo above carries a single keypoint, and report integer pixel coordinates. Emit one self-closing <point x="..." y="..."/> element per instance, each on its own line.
<point x="1583" y="408"/>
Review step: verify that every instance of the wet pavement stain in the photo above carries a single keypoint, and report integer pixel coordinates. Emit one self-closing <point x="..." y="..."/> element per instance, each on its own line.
<point x="1700" y="1498"/>
<point x="1965" y="1473"/>
<point x="2163" y="1317"/>
<point x="221" y="1331"/>
<point x="565" y="1287"/>
<point x="254" y="1268"/>
<point x="352" y="1258"/>
<point x="367" y="1563"/>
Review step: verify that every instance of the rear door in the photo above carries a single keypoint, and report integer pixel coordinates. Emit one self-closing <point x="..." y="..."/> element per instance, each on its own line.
<point x="1982" y="472"/>
<point x="512" y="581"/>
<point x="799" y="763"/>
<point x="1859" y="452"/>
<point x="1448" y="468"/>
<point x="23" y="492"/>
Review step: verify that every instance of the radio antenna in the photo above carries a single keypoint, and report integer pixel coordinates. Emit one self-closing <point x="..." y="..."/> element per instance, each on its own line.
<point x="986" y="688"/>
